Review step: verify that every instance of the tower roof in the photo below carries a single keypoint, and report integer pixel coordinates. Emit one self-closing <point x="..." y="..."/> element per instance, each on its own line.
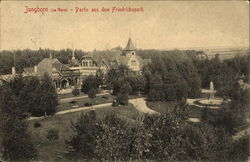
<point x="130" y="46"/>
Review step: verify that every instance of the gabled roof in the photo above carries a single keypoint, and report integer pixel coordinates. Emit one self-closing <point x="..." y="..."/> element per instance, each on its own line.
<point x="106" y="56"/>
<point x="48" y="65"/>
<point x="130" y="46"/>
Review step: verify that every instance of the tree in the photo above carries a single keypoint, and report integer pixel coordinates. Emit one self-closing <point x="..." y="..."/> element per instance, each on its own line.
<point x="47" y="100"/>
<point x="92" y="93"/>
<point x="83" y="143"/>
<point x="88" y="83"/>
<point x="29" y="95"/>
<point x="112" y="143"/>
<point x="15" y="141"/>
<point x="122" y="98"/>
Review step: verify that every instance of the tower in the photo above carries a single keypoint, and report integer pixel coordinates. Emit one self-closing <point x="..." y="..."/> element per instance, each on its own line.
<point x="129" y="50"/>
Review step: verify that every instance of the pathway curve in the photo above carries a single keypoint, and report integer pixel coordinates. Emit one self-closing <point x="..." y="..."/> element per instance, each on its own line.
<point x="140" y="105"/>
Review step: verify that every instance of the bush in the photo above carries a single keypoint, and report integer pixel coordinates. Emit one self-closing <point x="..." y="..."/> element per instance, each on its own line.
<point x="76" y="92"/>
<point x="115" y="103"/>
<point x="92" y="93"/>
<point x="37" y="124"/>
<point x="73" y="102"/>
<point x="88" y="104"/>
<point x="122" y="99"/>
<point x="53" y="134"/>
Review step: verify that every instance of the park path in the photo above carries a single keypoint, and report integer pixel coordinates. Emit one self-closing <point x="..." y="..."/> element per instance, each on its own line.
<point x="140" y="105"/>
<point x="75" y="110"/>
<point x="80" y="97"/>
<point x="241" y="133"/>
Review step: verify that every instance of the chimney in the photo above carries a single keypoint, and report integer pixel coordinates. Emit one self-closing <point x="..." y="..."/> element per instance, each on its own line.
<point x="13" y="71"/>
<point x="35" y="69"/>
<point x="50" y="55"/>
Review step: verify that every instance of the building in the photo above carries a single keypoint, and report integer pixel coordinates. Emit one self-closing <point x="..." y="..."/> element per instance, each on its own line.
<point x="104" y="60"/>
<point x="62" y="76"/>
<point x="66" y="76"/>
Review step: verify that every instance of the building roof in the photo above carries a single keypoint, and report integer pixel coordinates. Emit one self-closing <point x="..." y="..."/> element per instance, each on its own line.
<point x="106" y="56"/>
<point x="48" y="65"/>
<point x="130" y="46"/>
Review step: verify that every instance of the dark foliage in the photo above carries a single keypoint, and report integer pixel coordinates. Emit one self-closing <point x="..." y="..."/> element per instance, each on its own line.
<point x="15" y="141"/>
<point x="37" y="124"/>
<point x="152" y="137"/>
<point x="122" y="99"/>
<point x="92" y="93"/>
<point x="89" y="83"/>
<point x="76" y="92"/>
<point x="53" y="134"/>
<point x="169" y="79"/>
<point x="88" y="104"/>
<point x="131" y="82"/>
<point x="82" y="144"/>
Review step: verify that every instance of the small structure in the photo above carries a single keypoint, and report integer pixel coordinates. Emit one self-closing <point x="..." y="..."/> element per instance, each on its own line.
<point x="211" y="93"/>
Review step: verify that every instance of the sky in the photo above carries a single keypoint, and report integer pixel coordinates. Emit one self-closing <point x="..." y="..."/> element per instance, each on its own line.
<point x="161" y="25"/>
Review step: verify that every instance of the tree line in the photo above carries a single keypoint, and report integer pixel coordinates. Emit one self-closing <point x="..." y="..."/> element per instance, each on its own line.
<point x="30" y="58"/>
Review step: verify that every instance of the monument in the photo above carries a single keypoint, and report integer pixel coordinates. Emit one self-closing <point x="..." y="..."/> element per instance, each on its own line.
<point x="211" y="92"/>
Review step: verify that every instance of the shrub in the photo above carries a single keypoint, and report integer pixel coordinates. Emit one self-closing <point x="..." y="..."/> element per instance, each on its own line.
<point x="53" y="134"/>
<point x="88" y="104"/>
<point x="37" y="124"/>
<point x="73" y="102"/>
<point x="115" y="103"/>
<point x="76" y="92"/>
<point x="122" y="99"/>
<point x="92" y="93"/>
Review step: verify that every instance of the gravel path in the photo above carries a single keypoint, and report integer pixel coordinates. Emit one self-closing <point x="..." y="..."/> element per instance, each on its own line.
<point x="75" y="110"/>
<point x="140" y="105"/>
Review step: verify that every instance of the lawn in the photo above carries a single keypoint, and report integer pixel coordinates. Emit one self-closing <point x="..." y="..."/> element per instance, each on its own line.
<point x="168" y="107"/>
<point x="82" y="101"/>
<point x="162" y="107"/>
<point x="68" y="95"/>
<point x="107" y="98"/>
<point x="55" y="150"/>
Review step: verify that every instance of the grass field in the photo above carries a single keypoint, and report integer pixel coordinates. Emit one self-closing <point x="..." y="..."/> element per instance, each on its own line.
<point x="168" y="107"/>
<point x="162" y="107"/>
<point x="68" y="95"/>
<point x="55" y="150"/>
<point x="81" y="102"/>
<point x="66" y="105"/>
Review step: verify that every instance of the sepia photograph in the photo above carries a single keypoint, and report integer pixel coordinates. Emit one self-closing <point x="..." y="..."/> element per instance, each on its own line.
<point x="124" y="81"/>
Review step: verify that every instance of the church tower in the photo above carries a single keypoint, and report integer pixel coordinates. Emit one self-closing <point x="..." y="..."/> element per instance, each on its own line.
<point x="129" y="50"/>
